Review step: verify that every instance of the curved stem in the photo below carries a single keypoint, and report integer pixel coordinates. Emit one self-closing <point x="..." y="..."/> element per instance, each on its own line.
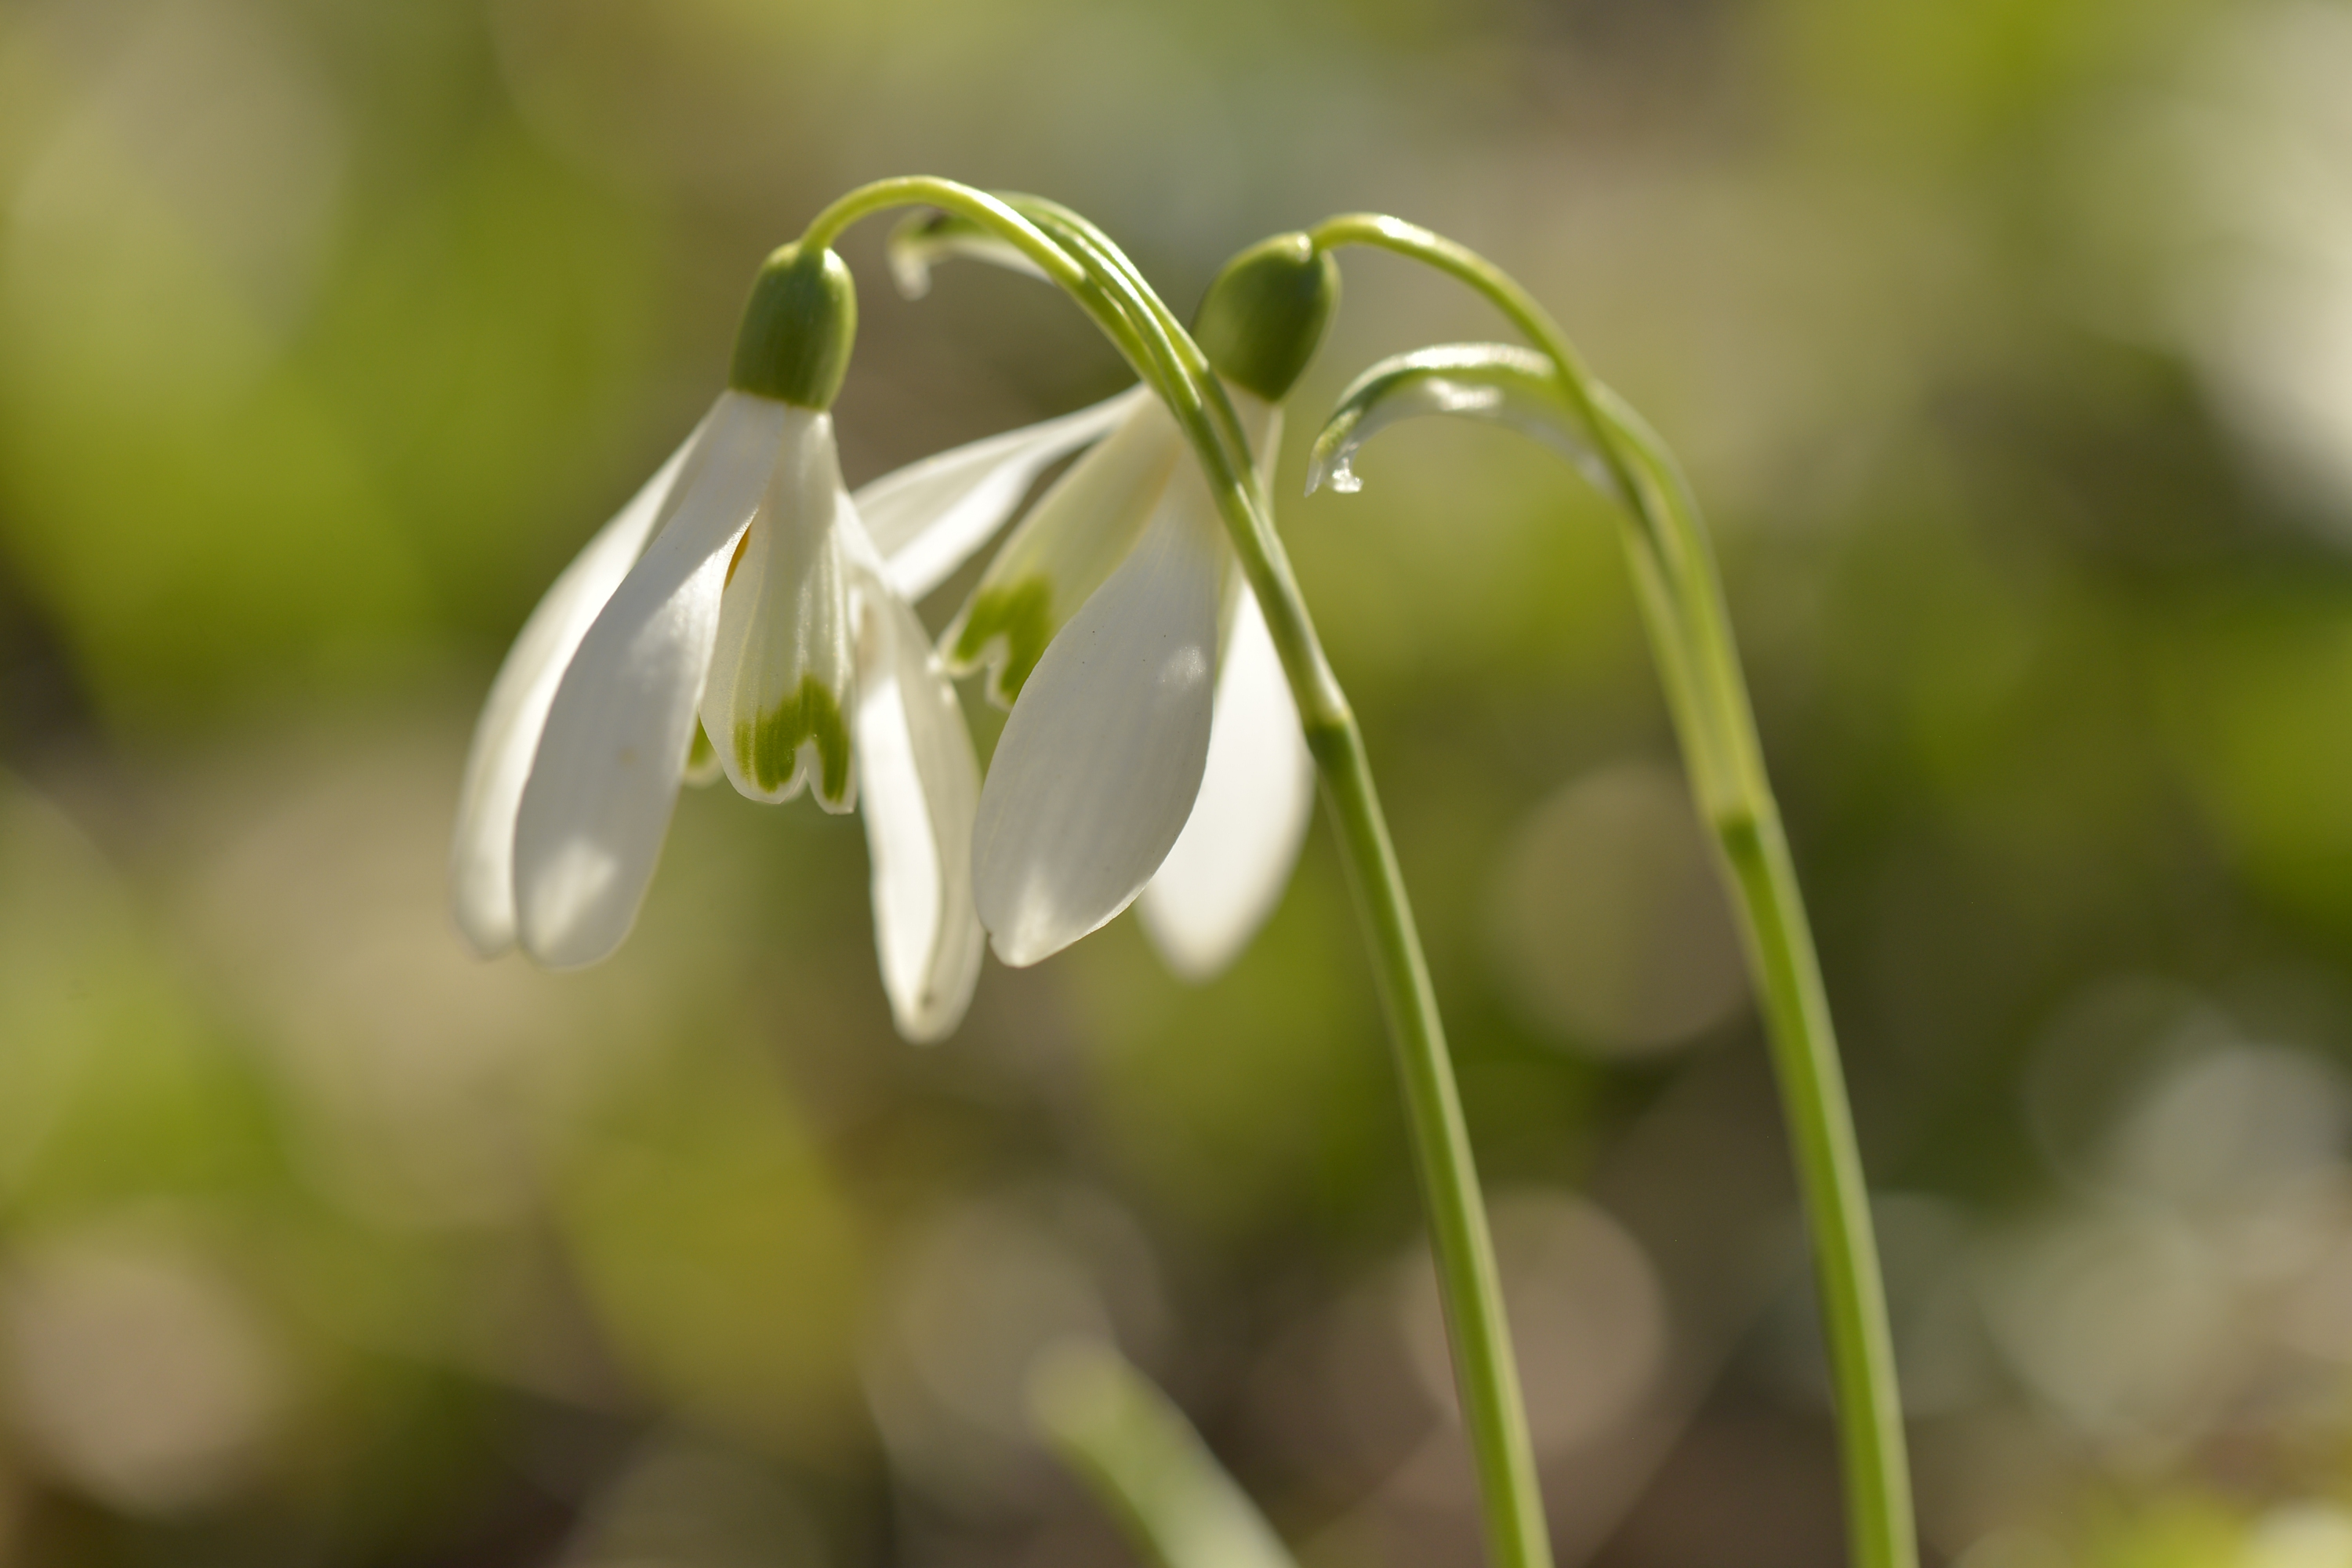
<point x="1486" y="1369"/>
<point x="1075" y="256"/>
<point x="1689" y="626"/>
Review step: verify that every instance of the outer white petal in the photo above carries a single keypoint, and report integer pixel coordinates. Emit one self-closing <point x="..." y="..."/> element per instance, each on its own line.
<point x="481" y="852"/>
<point x="1102" y="756"/>
<point x="920" y="787"/>
<point x="928" y="517"/>
<point x="607" y="774"/>
<point x="1068" y="546"/>
<point x="1229" y="866"/>
<point x="783" y="673"/>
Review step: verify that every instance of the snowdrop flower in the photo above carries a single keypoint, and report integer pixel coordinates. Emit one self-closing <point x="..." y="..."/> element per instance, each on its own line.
<point x="742" y="596"/>
<point x="1153" y="746"/>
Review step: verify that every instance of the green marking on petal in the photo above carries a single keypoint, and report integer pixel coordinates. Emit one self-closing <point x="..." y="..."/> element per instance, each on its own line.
<point x="765" y="751"/>
<point x="1022" y="614"/>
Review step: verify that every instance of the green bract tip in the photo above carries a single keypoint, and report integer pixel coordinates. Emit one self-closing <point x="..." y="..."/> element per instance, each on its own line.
<point x="798" y="326"/>
<point x="1262" y="317"/>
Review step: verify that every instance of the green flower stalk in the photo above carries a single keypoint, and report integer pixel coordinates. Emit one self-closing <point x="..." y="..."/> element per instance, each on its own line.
<point x="1549" y="394"/>
<point x="1262" y="329"/>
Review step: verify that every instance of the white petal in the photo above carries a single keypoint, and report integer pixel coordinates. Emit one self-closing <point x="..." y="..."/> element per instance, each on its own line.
<point x="1516" y="387"/>
<point x="1102" y="756"/>
<point x="783" y="671"/>
<point x="1067" y="546"/>
<point x="1229" y="866"/>
<point x="920" y="787"/>
<point x="607" y="774"/>
<point x="481" y="854"/>
<point x="928" y="517"/>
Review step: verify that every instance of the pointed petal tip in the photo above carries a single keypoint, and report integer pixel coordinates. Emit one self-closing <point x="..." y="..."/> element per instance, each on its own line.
<point x="1021" y="950"/>
<point x="483" y="939"/>
<point x="1194" y="966"/>
<point x="926" y="1023"/>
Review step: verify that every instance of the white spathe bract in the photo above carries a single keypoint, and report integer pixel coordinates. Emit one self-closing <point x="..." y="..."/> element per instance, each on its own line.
<point x="1098" y="776"/>
<point x="580" y="752"/>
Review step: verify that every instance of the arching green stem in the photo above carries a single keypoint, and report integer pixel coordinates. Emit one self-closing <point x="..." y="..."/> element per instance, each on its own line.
<point x="1075" y="256"/>
<point x="1486" y="1369"/>
<point x="1681" y="595"/>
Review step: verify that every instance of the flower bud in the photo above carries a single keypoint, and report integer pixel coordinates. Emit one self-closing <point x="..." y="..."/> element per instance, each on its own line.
<point x="798" y="326"/>
<point x="1264" y="316"/>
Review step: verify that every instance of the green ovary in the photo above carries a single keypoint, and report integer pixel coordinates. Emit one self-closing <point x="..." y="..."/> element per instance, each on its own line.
<point x="1022" y="614"/>
<point x="766" y="750"/>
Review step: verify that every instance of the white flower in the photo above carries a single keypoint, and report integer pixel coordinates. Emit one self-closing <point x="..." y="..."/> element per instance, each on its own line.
<point x="1153" y="747"/>
<point x="743" y="600"/>
<point x="766" y="607"/>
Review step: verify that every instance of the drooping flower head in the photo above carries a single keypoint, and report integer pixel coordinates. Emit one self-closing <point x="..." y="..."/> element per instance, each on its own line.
<point x="739" y="596"/>
<point x="744" y="615"/>
<point x="1152" y="747"/>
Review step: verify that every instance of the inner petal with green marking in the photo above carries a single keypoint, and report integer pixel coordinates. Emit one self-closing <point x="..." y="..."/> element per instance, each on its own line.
<point x="783" y="669"/>
<point x="769" y="749"/>
<point x="1072" y="540"/>
<point x="1018" y="619"/>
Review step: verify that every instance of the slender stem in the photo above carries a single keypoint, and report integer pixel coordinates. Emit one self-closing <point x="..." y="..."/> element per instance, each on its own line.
<point x="1689" y="626"/>
<point x="1075" y="256"/>
<point x="1484" y="1367"/>
<point x="1486" y="1370"/>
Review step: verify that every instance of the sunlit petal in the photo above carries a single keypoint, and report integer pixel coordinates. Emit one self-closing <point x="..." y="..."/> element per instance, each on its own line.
<point x="481" y="854"/>
<point x="1063" y="550"/>
<point x="1102" y="756"/>
<point x="919" y="788"/>
<point x="606" y="774"/>
<point x="1511" y="386"/>
<point x="782" y="670"/>
<point x="928" y="517"/>
<point x="1228" y="869"/>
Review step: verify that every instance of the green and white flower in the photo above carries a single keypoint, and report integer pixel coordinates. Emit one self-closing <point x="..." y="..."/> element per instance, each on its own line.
<point x="742" y="596"/>
<point x="1152" y="747"/>
<point x="1153" y="750"/>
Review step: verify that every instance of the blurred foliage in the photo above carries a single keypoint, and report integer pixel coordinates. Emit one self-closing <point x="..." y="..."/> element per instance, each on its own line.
<point x="2007" y="342"/>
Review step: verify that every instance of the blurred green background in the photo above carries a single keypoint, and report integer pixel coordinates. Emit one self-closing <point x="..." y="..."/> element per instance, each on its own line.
<point x="2010" y="344"/>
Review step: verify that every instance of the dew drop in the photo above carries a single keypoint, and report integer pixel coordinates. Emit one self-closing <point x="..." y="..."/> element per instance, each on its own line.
<point x="1344" y="479"/>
